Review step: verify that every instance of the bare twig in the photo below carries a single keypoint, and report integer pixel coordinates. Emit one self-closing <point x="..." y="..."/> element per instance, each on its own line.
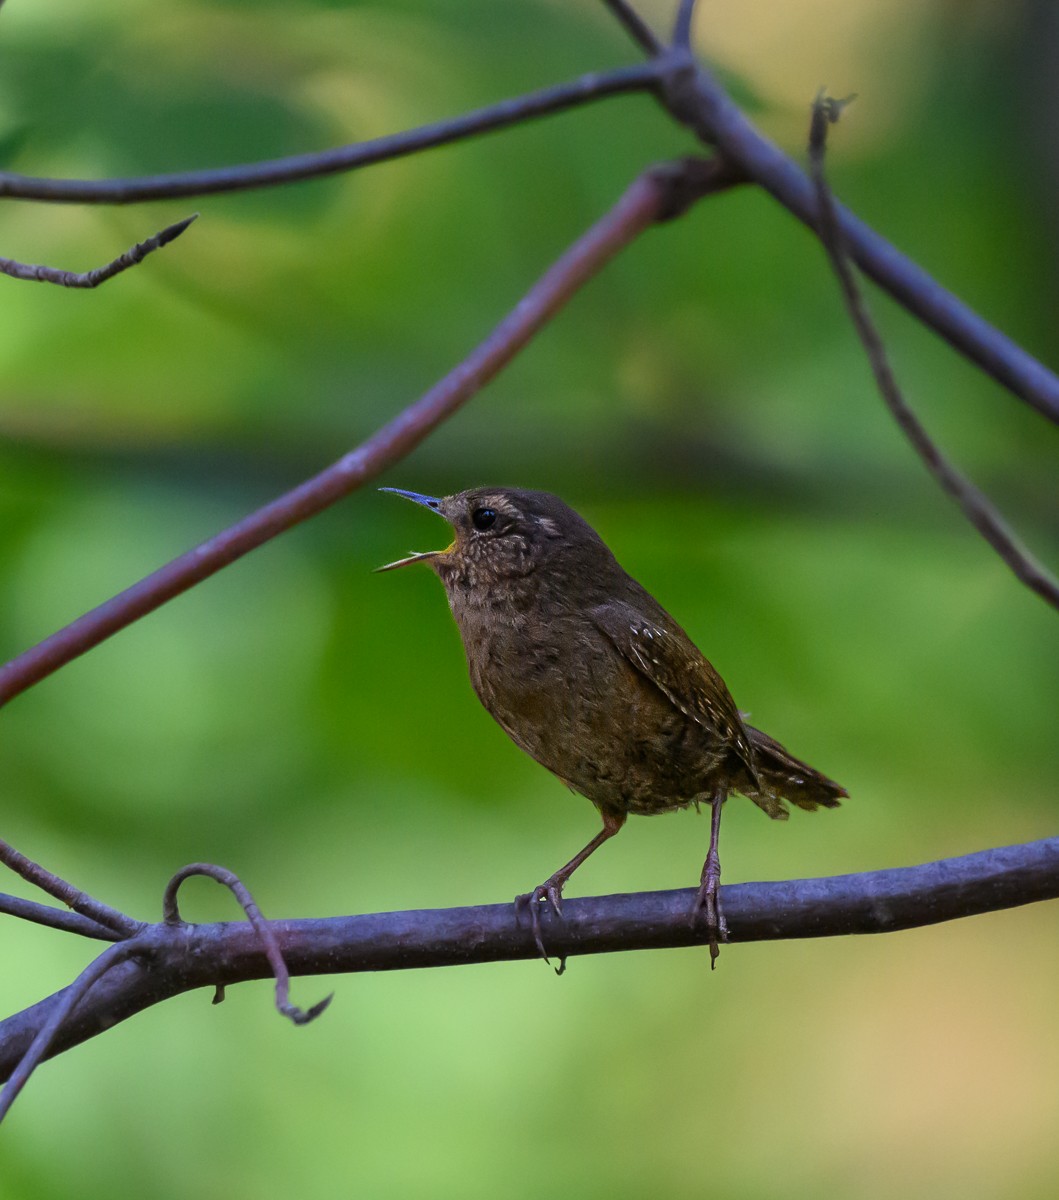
<point x="696" y="99"/>
<point x="79" y="901"/>
<point x="228" y="879"/>
<point x="56" y="918"/>
<point x="183" y="958"/>
<point x="585" y="90"/>
<point x="682" y="25"/>
<point x="93" y="278"/>
<point x="637" y="28"/>
<point x="975" y="504"/>
<point x="657" y="194"/>
<point x="65" y="1002"/>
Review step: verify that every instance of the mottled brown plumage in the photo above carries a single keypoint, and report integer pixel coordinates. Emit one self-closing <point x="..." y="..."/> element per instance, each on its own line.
<point x="588" y="673"/>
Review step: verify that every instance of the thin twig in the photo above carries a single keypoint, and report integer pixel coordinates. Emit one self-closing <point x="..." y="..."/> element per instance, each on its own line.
<point x="93" y="278"/>
<point x="183" y="958"/>
<point x="682" y="25"/>
<point x="636" y="27"/>
<point x="79" y="901"/>
<point x="585" y="90"/>
<point x="65" y="1002"/>
<point x="976" y="506"/>
<point x="228" y="879"/>
<point x="56" y="918"/>
<point x="695" y="98"/>
<point x="656" y="194"/>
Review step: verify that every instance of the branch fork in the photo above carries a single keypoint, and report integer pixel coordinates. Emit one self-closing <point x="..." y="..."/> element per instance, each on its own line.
<point x="133" y="940"/>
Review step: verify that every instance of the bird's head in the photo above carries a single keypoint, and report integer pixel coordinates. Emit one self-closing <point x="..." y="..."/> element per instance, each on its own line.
<point x="506" y="533"/>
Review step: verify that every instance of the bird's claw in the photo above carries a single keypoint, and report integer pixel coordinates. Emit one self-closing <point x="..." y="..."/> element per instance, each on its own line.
<point x="708" y="900"/>
<point x="549" y="892"/>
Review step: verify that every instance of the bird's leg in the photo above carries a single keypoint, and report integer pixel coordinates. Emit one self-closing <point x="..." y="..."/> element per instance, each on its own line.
<point x="551" y="890"/>
<point x="711" y="878"/>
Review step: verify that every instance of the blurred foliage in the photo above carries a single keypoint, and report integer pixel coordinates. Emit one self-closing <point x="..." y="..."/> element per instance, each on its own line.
<point x="310" y="725"/>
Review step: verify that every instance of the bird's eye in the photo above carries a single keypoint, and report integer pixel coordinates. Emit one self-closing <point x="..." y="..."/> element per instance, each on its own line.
<point x="483" y="518"/>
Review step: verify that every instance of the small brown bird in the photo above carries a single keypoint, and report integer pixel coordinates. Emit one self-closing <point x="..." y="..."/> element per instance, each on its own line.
<point x="586" y="672"/>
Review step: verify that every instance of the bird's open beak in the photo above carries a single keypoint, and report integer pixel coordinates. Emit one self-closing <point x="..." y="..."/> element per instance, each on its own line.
<point x="431" y="502"/>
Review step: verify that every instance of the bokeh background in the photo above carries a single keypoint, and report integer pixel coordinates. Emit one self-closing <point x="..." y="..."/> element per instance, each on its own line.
<point x="310" y="725"/>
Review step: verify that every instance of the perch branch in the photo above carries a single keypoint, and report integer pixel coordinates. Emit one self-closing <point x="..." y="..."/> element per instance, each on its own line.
<point x="183" y="958"/>
<point x="585" y="90"/>
<point x="141" y="945"/>
<point x="976" y="506"/>
<point x="228" y="879"/>
<point x="93" y="278"/>
<point x="657" y="194"/>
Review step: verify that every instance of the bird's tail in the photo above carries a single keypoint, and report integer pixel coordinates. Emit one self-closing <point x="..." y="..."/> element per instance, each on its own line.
<point x="784" y="778"/>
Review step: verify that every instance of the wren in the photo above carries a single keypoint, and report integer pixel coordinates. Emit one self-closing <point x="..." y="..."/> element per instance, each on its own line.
<point x="588" y="673"/>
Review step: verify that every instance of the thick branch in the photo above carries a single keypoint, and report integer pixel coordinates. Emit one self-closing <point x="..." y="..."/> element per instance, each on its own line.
<point x="276" y="171"/>
<point x="656" y="195"/>
<point x="183" y="958"/>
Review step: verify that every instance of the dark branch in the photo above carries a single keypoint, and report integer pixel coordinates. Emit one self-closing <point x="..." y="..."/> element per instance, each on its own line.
<point x="228" y="879"/>
<point x="93" y="278"/>
<point x="975" y="505"/>
<point x="636" y="27"/>
<point x="658" y="194"/>
<point x="695" y="98"/>
<point x="184" y="958"/>
<point x="80" y="902"/>
<point x="55" y="918"/>
<point x="276" y="171"/>
<point x="66" y="1001"/>
<point x="682" y="26"/>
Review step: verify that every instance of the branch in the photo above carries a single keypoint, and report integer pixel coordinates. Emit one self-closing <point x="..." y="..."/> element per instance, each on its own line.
<point x="138" y="945"/>
<point x="585" y="90"/>
<point x="695" y="98"/>
<point x="93" y="278"/>
<point x="81" y="902"/>
<point x="183" y="958"/>
<point x="976" y="506"/>
<point x="56" y="918"/>
<point x="682" y="25"/>
<point x="656" y="195"/>
<point x="228" y="879"/>
<point x="636" y="27"/>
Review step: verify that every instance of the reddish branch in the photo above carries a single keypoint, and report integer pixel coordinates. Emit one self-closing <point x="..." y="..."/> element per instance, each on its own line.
<point x="656" y="195"/>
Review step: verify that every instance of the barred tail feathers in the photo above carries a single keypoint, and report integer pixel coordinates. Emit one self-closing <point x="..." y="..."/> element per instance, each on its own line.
<point x="786" y="778"/>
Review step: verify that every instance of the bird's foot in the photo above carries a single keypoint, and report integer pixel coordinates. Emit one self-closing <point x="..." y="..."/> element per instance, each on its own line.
<point x="709" y="902"/>
<point x="548" y="892"/>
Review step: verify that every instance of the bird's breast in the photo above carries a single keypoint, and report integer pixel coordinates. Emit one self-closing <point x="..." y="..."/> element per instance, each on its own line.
<point x="566" y="696"/>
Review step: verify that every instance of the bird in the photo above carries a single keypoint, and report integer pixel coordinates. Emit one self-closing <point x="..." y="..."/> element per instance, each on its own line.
<point x="588" y="674"/>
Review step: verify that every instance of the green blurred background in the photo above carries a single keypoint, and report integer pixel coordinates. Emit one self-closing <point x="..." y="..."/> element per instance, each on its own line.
<point x="310" y="725"/>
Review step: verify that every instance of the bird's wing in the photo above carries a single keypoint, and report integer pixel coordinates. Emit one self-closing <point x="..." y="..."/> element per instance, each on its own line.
<point x="664" y="653"/>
